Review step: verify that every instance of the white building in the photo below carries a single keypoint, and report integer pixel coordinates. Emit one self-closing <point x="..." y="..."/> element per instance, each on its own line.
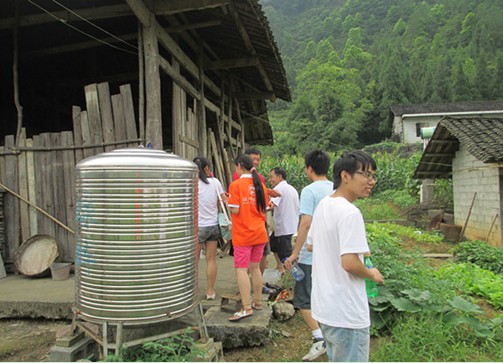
<point x="409" y="119"/>
<point x="470" y="150"/>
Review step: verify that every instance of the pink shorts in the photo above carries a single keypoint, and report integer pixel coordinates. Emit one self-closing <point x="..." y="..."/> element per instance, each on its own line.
<point x="243" y="255"/>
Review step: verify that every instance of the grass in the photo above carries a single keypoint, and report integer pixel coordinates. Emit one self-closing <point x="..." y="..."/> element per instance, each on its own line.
<point x="426" y="338"/>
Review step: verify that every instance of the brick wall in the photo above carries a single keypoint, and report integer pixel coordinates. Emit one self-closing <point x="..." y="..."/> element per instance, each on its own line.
<point x="469" y="176"/>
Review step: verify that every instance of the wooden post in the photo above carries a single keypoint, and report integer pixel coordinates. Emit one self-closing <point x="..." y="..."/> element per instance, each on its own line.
<point x="467" y="217"/>
<point x="176" y="113"/>
<point x="201" y="112"/>
<point x="153" y="130"/>
<point x="23" y="188"/>
<point x="141" y="84"/>
<point x="19" y="108"/>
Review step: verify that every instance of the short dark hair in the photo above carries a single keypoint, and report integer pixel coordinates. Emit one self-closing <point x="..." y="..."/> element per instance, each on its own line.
<point x="279" y="171"/>
<point x="318" y="160"/>
<point x="252" y="150"/>
<point x="351" y="162"/>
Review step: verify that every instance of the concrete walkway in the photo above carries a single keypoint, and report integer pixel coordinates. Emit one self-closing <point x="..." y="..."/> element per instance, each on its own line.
<point x="25" y="297"/>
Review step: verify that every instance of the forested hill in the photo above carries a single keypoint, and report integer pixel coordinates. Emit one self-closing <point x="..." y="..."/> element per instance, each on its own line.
<point x="348" y="61"/>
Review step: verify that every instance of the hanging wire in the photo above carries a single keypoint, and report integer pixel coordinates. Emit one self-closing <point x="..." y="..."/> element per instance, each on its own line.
<point x="94" y="25"/>
<point x="81" y="31"/>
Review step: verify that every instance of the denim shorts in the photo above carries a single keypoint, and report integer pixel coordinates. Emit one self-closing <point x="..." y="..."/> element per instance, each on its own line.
<point x="346" y="345"/>
<point x="208" y="234"/>
<point x="302" y="289"/>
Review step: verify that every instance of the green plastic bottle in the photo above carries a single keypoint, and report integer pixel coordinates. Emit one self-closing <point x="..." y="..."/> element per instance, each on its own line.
<point x="370" y="286"/>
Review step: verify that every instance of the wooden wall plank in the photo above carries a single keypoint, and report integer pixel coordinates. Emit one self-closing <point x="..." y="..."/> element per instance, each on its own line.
<point x="59" y="196"/>
<point x="127" y="104"/>
<point x="23" y="188"/>
<point x="77" y="133"/>
<point x="69" y="186"/>
<point x="39" y="158"/>
<point x="94" y="116"/>
<point x="47" y="226"/>
<point x="119" y="120"/>
<point x="32" y="187"/>
<point x="11" y="203"/>
<point x="2" y="165"/>
<point x="107" y="121"/>
<point x="217" y="161"/>
<point x="86" y="134"/>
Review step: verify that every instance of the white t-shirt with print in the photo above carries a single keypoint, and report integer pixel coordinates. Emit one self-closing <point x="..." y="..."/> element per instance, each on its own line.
<point x="338" y="298"/>
<point x="208" y="202"/>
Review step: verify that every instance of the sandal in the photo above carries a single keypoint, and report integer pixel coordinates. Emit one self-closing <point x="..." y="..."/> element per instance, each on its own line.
<point x="211" y="297"/>
<point x="241" y="315"/>
<point x="257" y="306"/>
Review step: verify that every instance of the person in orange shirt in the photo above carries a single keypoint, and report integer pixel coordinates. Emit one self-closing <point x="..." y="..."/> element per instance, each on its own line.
<point x="248" y="200"/>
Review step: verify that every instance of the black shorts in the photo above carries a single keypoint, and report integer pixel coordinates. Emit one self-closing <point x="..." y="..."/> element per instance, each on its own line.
<point x="282" y="245"/>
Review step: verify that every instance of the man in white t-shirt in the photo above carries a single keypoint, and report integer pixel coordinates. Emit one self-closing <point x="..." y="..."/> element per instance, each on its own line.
<point x="337" y="238"/>
<point x="286" y="216"/>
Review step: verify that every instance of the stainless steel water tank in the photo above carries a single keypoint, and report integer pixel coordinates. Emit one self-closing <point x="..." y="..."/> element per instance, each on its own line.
<point x="137" y="236"/>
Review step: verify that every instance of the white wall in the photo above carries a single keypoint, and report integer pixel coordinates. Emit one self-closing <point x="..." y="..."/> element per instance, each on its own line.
<point x="409" y="127"/>
<point x="470" y="175"/>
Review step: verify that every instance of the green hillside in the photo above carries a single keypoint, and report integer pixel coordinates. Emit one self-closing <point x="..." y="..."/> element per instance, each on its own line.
<point x="348" y="61"/>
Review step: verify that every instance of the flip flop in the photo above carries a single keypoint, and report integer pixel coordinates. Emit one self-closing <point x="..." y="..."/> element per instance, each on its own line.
<point x="241" y="315"/>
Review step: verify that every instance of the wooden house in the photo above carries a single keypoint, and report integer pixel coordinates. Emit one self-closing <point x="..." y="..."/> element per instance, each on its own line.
<point x="80" y="77"/>
<point x="470" y="151"/>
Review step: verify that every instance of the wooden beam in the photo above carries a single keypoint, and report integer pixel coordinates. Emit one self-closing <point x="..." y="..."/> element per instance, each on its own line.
<point x="79" y="46"/>
<point x="102" y="12"/>
<point x="254" y="95"/>
<point x="443" y="142"/>
<point x="141" y="11"/>
<point x="232" y="63"/>
<point x="186" y="27"/>
<point x="429" y="173"/>
<point x="174" y="49"/>
<point x="177" y="78"/>
<point x="439" y="154"/>
<point x="249" y="45"/>
<point x="162" y="7"/>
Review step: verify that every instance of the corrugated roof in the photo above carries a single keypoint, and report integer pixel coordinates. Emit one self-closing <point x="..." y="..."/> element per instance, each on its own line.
<point x="483" y="138"/>
<point x="399" y="110"/>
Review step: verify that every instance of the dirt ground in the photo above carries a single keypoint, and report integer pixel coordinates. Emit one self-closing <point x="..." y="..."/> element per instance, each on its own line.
<point x="31" y="340"/>
<point x="28" y="340"/>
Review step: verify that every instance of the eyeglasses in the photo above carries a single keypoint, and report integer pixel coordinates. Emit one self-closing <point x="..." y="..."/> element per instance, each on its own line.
<point x="367" y="175"/>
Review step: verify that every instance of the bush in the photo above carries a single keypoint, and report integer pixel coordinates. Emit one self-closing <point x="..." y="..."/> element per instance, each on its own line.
<point x="481" y="254"/>
<point x="472" y="279"/>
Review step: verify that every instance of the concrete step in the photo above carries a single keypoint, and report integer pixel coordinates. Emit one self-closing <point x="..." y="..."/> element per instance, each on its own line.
<point x="248" y="332"/>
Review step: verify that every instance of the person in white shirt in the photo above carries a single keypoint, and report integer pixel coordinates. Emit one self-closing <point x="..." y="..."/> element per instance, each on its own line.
<point x="338" y="241"/>
<point x="286" y="216"/>
<point x="209" y="188"/>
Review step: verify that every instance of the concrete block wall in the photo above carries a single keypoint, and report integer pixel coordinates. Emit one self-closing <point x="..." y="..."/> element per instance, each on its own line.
<point x="470" y="175"/>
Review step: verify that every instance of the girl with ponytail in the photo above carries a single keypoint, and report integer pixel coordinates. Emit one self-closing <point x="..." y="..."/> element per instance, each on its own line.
<point x="248" y="200"/>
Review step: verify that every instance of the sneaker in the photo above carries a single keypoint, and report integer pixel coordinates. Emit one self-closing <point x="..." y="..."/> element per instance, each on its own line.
<point x="318" y="348"/>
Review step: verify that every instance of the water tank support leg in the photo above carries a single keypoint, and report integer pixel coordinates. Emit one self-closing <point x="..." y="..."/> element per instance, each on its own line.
<point x="105" y="339"/>
<point x="203" y="330"/>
